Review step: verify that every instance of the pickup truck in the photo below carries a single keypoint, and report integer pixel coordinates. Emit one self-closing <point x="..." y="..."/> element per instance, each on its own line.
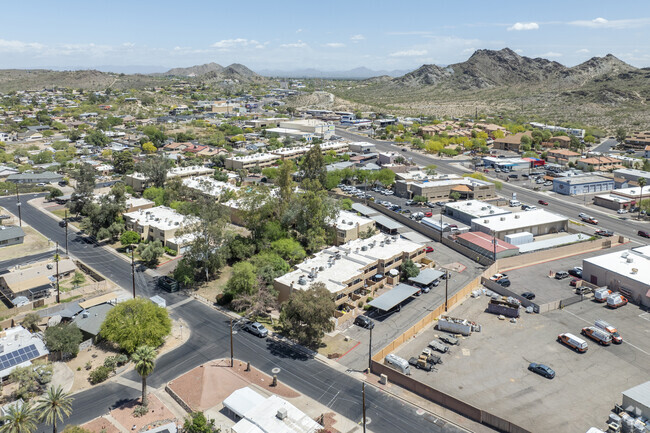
<point x="421" y="363"/>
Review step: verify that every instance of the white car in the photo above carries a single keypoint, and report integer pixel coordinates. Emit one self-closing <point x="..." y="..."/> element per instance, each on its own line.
<point x="621" y="211"/>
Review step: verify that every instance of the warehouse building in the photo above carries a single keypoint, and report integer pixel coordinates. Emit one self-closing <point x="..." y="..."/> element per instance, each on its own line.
<point x="441" y="187"/>
<point x="631" y="174"/>
<point x="538" y="222"/>
<point x="355" y="268"/>
<point x="507" y="163"/>
<point x="636" y="400"/>
<point x="627" y="272"/>
<point x="486" y="245"/>
<point x="466" y="211"/>
<point x="582" y="184"/>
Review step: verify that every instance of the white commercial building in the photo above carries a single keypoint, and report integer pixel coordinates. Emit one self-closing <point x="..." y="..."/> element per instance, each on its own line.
<point x="466" y="211"/>
<point x="627" y="272"/>
<point x="313" y="126"/>
<point x="538" y="222"/>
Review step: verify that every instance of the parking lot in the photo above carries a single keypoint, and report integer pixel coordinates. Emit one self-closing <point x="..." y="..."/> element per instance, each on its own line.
<point x="489" y="369"/>
<point x="536" y="278"/>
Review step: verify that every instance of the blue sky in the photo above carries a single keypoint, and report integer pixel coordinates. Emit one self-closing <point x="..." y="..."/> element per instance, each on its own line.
<point x="330" y="35"/>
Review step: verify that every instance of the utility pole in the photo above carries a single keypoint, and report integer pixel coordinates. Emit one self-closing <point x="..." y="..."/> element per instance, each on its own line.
<point x="446" y="287"/>
<point x="363" y="393"/>
<point x="494" y="241"/>
<point x="20" y="218"/>
<point x="66" y="232"/>
<point x="56" y="259"/>
<point x="370" y="353"/>
<point x="133" y="271"/>
<point x="232" y="358"/>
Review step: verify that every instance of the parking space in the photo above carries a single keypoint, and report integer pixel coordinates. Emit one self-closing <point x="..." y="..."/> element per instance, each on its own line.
<point x="388" y="199"/>
<point x="536" y="278"/>
<point x="489" y="369"/>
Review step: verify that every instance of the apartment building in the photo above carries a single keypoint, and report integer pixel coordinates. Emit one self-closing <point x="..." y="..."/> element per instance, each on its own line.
<point x="249" y="161"/>
<point x="156" y="224"/>
<point x="354" y="268"/>
<point x="139" y="182"/>
<point x="510" y="142"/>
<point x="562" y="156"/>
<point x="599" y="163"/>
<point x="349" y="226"/>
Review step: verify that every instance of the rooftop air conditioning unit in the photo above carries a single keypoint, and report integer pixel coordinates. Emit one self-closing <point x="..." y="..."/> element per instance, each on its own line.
<point x="282" y="413"/>
<point x="364" y="248"/>
<point x="502" y="218"/>
<point x="516" y="217"/>
<point x="302" y="280"/>
<point x="630" y="259"/>
<point x="321" y="268"/>
<point x="634" y="270"/>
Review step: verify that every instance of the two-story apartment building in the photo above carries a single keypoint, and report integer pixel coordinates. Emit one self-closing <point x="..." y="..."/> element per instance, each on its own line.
<point x="350" y="226"/>
<point x="599" y="163"/>
<point x="350" y="269"/>
<point x="139" y="182"/>
<point x="562" y="156"/>
<point x="156" y="224"/>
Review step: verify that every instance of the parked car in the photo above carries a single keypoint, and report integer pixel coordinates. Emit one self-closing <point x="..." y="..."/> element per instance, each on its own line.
<point x="428" y="214"/>
<point x="576" y="272"/>
<point x="429" y="249"/>
<point x="643" y="234"/>
<point x="548" y="183"/>
<point x="574" y="282"/>
<point x="605" y="233"/>
<point x="528" y="295"/>
<point x="497" y="277"/>
<point x="542" y="202"/>
<point x="504" y="282"/>
<point x="542" y="370"/>
<point x="622" y="211"/>
<point x="364" y="322"/>
<point x="560" y="275"/>
<point x="256" y="328"/>
<point x="409" y="202"/>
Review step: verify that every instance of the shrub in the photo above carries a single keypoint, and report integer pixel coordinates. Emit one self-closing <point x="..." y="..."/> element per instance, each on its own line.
<point x="140" y="411"/>
<point x="99" y="374"/>
<point x="121" y="359"/>
<point x="110" y="362"/>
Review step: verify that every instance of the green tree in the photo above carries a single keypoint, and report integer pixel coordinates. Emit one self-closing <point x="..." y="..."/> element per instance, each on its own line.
<point x="136" y="322"/>
<point x="431" y="169"/>
<point x="31" y="379"/>
<point x="151" y="252"/>
<point x="64" y="339"/>
<point x="346" y="204"/>
<point x="185" y="272"/>
<point x="44" y="157"/>
<point x="83" y="193"/>
<point x="149" y="148"/>
<point x="97" y="138"/>
<point x="409" y="270"/>
<point x="455" y="196"/>
<point x="420" y="199"/>
<point x="123" y="162"/>
<point x="154" y="135"/>
<point x="289" y="249"/>
<point x="54" y="193"/>
<point x="71" y="428"/>
<point x="269" y="266"/>
<point x="31" y="321"/>
<point x="642" y="183"/>
<point x="243" y="280"/>
<point x="196" y="422"/>
<point x="313" y="168"/>
<point x="19" y="419"/>
<point x="154" y="168"/>
<point x="78" y="279"/>
<point x="55" y="404"/>
<point x="144" y="359"/>
<point x="129" y="237"/>
<point x="306" y="316"/>
<point x="621" y="134"/>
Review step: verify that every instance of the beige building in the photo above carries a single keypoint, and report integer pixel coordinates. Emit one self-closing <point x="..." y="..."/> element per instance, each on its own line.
<point x="538" y="222"/>
<point x="249" y="161"/>
<point x="441" y="187"/>
<point x="562" y="156"/>
<point x="133" y="204"/>
<point x="139" y="182"/>
<point x="156" y="224"/>
<point x="313" y="126"/>
<point x="271" y="122"/>
<point x="33" y="282"/>
<point x="349" y="226"/>
<point x="352" y="270"/>
<point x="511" y="142"/>
<point x="599" y="163"/>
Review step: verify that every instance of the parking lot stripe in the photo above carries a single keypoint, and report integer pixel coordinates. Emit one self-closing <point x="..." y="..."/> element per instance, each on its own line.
<point x="349" y="351"/>
<point x="624" y="341"/>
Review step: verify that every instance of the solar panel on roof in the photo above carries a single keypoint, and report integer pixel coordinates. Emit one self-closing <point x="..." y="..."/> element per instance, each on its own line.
<point x="18" y="356"/>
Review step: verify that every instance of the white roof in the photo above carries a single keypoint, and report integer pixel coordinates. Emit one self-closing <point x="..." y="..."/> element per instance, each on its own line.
<point x="347" y="220"/>
<point x="243" y="400"/>
<point x="137" y="202"/>
<point x="160" y="217"/>
<point x="635" y="191"/>
<point x="518" y="220"/>
<point x="639" y="393"/>
<point x="263" y="419"/>
<point x="209" y="185"/>
<point x="256" y="157"/>
<point x="477" y="208"/>
<point x="13" y="353"/>
<point x="633" y="264"/>
<point x="305" y="122"/>
<point x="326" y="268"/>
<point x="632" y="172"/>
<point x="613" y="197"/>
<point x="287" y="131"/>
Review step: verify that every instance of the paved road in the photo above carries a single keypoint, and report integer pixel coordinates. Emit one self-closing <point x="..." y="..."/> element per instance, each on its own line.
<point x="210" y="340"/>
<point x="557" y="203"/>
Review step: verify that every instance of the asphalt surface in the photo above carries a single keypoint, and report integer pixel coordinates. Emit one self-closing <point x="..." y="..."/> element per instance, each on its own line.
<point x="556" y="203"/>
<point x="210" y="339"/>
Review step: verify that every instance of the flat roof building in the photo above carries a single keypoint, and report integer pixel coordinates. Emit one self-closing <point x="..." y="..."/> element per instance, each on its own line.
<point x="538" y="222"/>
<point x="632" y="174"/>
<point x="636" y="400"/>
<point x="613" y="201"/>
<point x="441" y="187"/>
<point x="582" y="184"/>
<point x="249" y="161"/>
<point x="139" y="182"/>
<point x="353" y="267"/>
<point x="466" y="211"/>
<point x="486" y="245"/>
<point x="156" y="224"/>
<point x="35" y="281"/>
<point x="312" y="126"/>
<point x="627" y="272"/>
<point x="350" y="226"/>
<point x="18" y="348"/>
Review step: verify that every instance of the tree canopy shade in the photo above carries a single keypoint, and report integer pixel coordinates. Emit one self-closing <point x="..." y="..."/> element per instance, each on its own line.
<point x="136" y="322"/>
<point x="63" y="338"/>
<point x="306" y="316"/>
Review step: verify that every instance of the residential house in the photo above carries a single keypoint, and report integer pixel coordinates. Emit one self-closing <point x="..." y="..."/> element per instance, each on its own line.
<point x="19" y="349"/>
<point x="35" y="281"/>
<point x="45" y="177"/>
<point x="11" y="235"/>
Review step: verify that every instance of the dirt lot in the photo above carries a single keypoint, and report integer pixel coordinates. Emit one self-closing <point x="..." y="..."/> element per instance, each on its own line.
<point x="489" y="369"/>
<point x="211" y="289"/>
<point x="34" y="243"/>
<point x="335" y="346"/>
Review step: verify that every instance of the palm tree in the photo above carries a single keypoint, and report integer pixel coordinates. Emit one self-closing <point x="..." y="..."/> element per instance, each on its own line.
<point x="642" y="182"/>
<point x="19" y="419"/>
<point x="55" y="404"/>
<point x="144" y="359"/>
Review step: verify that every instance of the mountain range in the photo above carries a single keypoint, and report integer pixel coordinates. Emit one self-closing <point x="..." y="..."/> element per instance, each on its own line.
<point x="350" y="74"/>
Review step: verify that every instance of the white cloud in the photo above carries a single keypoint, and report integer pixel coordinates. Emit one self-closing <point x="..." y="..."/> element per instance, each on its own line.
<point x="334" y="45"/>
<point x="408" y="53"/>
<point x="550" y="54"/>
<point x="582" y="51"/>
<point x="299" y="31"/>
<point x="357" y="38"/>
<point x="519" y="51"/>
<point x="523" y="26"/>
<point x="299" y="44"/>
<point x="19" y="46"/>
<point x="612" y="24"/>
<point x="226" y="44"/>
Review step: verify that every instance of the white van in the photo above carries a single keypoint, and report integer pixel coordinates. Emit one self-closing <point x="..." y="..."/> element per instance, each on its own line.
<point x="577" y="344"/>
<point x="515" y="203"/>
<point x="397" y="363"/>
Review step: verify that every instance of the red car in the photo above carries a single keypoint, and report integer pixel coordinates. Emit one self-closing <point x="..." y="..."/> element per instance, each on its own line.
<point x="428" y="214"/>
<point x="429" y="249"/>
<point x="542" y="202"/>
<point x="574" y="281"/>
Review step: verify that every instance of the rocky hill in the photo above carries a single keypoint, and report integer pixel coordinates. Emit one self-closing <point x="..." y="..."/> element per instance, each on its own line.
<point x="196" y="70"/>
<point x="602" y="90"/>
